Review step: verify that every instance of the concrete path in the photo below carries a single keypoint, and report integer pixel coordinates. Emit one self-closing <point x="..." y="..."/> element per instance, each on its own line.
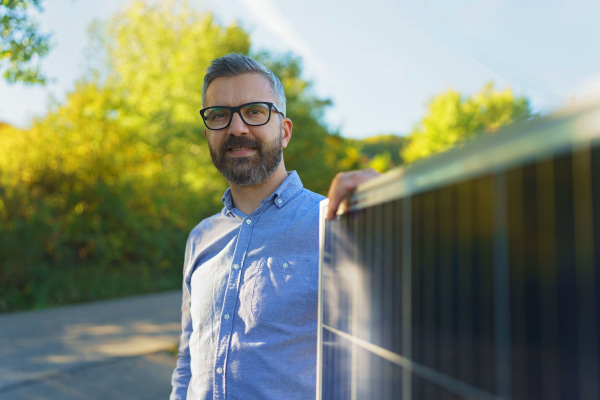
<point x="113" y="349"/>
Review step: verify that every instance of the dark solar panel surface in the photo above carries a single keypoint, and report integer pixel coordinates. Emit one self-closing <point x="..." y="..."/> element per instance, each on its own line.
<point x="486" y="287"/>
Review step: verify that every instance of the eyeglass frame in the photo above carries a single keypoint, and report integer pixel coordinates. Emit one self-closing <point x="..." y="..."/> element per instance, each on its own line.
<point x="238" y="110"/>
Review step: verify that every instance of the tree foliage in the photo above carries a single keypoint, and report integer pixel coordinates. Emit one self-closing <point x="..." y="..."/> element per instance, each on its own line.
<point x="21" y="43"/>
<point x="452" y="118"/>
<point x="105" y="188"/>
<point x="380" y="152"/>
<point x="97" y="197"/>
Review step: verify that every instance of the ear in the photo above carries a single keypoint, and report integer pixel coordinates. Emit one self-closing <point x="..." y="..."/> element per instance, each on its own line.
<point x="205" y="134"/>
<point x="286" y="126"/>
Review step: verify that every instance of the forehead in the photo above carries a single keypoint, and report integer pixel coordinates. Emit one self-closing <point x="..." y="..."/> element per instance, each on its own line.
<point x="236" y="90"/>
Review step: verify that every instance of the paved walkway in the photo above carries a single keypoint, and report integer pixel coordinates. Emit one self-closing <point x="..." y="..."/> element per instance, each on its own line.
<point x="104" y="350"/>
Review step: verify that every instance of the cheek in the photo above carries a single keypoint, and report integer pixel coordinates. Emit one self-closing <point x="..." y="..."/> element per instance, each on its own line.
<point x="213" y="144"/>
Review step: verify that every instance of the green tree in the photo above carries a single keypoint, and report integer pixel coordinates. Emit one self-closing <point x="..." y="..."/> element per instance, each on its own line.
<point x="380" y="152"/>
<point x="21" y="43"/>
<point x="384" y="144"/>
<point x="381" y="162"/>
<point x="452" y="118"/>
<point x="78" y="199"/>
<point x="344" y="153"/>
<point x="155" y="56"/>
<point x="105" y="188"/>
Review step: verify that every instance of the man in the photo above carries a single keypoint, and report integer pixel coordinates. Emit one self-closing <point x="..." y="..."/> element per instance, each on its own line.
<point x="249" y="311"/>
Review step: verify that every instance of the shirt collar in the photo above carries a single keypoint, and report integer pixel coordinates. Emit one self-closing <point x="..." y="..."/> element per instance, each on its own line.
<point x="286" y="191"/>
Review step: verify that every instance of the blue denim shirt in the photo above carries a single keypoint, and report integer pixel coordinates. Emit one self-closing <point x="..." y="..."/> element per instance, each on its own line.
<point x="249" y="310"/>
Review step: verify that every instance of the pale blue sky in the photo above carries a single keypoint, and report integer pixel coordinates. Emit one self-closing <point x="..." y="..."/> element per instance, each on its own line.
<point x="395" y="54"/>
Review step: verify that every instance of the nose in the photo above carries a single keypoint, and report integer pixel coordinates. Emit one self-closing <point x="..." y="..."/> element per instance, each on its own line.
<point x="237" y="126"/>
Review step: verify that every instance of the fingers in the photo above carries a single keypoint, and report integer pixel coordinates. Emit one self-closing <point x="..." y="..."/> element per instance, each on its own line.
<point x="343" y="185"/>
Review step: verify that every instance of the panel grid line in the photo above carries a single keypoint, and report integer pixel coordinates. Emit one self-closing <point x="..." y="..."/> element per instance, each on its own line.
<point x="501" y="287"/>
<point x="444" y="381"/>
<point x="406" y="294"/>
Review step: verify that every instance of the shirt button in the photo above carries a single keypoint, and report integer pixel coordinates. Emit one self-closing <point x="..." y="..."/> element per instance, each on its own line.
<point x="226" y="316"/>
<point x="219" y="370"/>
<point x="279" y="201"/>
<point x="285" y="265"/>
<point x="236" y="266"/>
<point x="248" y="221"/>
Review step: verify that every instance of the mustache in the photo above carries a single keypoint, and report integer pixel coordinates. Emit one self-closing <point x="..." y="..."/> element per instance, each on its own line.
<point x="240" y="141"/>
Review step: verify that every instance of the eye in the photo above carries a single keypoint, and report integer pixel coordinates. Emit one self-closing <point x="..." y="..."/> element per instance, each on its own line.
<point x="216" y="114"/>
<point x="256" y="113"/>
<point x="256" y="110"/>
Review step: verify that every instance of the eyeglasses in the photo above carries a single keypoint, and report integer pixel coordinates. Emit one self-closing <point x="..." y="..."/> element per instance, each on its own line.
<point x="253" y="114"/>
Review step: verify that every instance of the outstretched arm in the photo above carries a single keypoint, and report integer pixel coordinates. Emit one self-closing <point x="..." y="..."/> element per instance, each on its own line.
<point x="343" y="184"/>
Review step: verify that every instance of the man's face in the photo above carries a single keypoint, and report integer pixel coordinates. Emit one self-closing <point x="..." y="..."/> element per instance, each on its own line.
<point x="246" y="155"/>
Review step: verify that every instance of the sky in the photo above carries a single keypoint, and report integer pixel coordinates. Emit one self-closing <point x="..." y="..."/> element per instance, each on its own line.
<point x="392" y="55"/>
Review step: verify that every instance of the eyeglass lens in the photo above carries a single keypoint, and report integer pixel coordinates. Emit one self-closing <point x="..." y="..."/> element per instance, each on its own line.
<point x="252" y="114"/>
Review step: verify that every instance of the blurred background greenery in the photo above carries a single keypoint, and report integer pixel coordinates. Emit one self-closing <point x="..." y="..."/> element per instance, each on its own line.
<point x="98" y="196"/>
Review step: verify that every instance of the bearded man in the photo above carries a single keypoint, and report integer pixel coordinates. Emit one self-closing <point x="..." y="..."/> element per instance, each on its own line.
<point x="249" y="310"/>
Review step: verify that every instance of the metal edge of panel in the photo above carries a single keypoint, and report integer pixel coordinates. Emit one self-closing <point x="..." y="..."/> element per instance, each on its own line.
<point x="323" y="206"/>
<point x="511" y="146"/>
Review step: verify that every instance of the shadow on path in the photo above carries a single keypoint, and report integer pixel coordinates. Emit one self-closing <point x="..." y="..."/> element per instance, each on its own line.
<point x="105" y="350"/>
<point x="122" y="378"/>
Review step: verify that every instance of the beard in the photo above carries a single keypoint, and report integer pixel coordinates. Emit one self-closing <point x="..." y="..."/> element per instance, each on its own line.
<point x="247" y="171"/>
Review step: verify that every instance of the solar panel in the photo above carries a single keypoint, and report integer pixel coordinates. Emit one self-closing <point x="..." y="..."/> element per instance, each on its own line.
<point x="470" y="275"/>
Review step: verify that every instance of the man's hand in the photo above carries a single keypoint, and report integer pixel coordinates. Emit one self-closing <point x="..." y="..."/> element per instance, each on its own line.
<point x="343" y="184"/>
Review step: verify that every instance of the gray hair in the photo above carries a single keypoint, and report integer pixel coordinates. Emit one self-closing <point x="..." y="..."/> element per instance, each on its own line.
<point x="234" y="64"/>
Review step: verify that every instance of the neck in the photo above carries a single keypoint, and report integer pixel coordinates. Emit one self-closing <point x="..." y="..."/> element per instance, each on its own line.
<point x="248" y="198"/>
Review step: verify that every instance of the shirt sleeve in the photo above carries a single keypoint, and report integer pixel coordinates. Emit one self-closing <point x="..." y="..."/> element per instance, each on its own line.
<point x="182" y="373"/>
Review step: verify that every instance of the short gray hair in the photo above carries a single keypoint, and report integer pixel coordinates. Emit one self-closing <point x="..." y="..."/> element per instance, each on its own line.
<point x="234" y="64"/>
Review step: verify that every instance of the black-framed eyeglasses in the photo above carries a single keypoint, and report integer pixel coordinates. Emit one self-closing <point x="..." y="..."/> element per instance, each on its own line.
<point x="253" y="114"/>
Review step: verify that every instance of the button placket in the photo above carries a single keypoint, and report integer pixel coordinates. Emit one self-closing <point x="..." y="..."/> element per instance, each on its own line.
<point x="228" y="310"/>
<point x="232" y="292"/>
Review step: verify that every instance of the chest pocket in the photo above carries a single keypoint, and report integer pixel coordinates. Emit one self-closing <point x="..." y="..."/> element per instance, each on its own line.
<point x="285" y="291"/>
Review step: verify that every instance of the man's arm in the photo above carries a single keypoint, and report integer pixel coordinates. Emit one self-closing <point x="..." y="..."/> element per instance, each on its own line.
<point x="182" y="373"/>
<point x="344" y="184"/>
